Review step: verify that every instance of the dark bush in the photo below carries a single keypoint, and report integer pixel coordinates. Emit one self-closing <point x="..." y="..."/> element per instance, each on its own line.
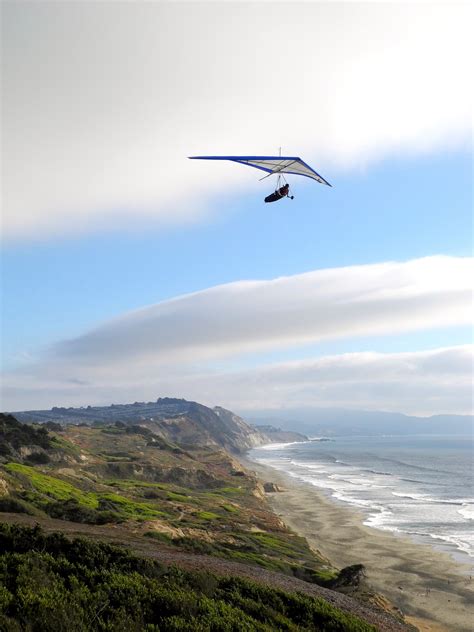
<point x="108" y="516"/>
<point x="161" y="537"/>
<point x="37" y="458"/>
<point x="53" y="426"/>
<point x="71" y="510"/>
<point x="4" y="449"/>
<point x="139" y="430"/>
<point x="75" y="512"/>
<point x="50" y="583"/>
<point x="15" y="434"/>
<point x="12" y="505"/>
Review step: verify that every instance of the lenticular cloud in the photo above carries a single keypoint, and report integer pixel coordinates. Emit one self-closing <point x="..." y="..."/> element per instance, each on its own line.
<point x="249" y="316"/>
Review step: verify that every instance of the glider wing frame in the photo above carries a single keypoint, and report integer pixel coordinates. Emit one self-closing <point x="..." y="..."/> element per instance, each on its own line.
<point x="251" y="160"/>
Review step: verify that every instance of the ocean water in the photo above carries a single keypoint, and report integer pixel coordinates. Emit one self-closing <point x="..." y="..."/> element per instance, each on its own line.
<point x="416" y="485"/>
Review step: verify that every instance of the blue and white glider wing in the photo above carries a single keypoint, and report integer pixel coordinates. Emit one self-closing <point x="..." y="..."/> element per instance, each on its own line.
<point x="272" y="164"/>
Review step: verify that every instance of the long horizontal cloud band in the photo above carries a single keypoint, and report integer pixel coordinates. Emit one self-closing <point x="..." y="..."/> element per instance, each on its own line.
<point x="422" y="383"/>
<point x="163" y="80"/>
<point x="248" y="316"/>
<point x="427" y="382"/>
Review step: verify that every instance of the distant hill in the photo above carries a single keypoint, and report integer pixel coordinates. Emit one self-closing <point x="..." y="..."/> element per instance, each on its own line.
<point x="334" y="421"/>
<point x="277" y="435"/>
<point x="175" y="420"/>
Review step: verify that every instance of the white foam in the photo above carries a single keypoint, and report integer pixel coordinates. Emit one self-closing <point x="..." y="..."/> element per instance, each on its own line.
<point x="413" y="496"/>
<point x="278" y="446"/>
<point x="400" y="504"/>
<point x="467" y="511"/>
<point x="309" y="466"/>
<point x="462" y="541"/>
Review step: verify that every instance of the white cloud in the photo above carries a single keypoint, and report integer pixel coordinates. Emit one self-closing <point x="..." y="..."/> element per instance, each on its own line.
<point x="417" y="383"/>
<point x="103" y="101"/>
<point x="172" y="347"/>
<point x="250" y="316"/>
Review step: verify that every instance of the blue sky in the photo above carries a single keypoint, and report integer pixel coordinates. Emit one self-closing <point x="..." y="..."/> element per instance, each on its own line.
<point x="397" y="210"/>
<point x="104" y="214"/>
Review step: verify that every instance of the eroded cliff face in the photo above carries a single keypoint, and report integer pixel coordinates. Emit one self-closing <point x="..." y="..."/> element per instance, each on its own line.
<point x="190" y="423"/>
<point x="239" y="431"/>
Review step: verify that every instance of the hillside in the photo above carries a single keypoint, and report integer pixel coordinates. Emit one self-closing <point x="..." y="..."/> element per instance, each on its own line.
<point x="143" y="486"/>
<point x="194" y="498"/>
<point x="51" y="582"/>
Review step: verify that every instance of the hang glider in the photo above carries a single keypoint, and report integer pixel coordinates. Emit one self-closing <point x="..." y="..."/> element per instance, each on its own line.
<point x="273" y="165"/>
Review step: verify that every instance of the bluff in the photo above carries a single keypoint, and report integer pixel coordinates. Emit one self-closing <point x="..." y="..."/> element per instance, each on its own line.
<point x="175" y="420"/>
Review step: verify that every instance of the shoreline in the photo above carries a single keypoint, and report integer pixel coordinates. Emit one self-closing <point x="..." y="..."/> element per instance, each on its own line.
<point x="430" y="588"/>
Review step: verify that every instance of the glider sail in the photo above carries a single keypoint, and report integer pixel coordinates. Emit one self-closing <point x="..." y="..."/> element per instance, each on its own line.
<point x="272" y="165"/>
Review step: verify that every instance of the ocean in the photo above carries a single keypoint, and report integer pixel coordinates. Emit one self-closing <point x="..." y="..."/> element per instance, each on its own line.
<point x="417" y="485"/>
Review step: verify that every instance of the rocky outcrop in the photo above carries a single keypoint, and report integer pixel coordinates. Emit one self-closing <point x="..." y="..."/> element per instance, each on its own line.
<point x="349" y="577"/>
<point x="271" y="488"/>
<point x="3" y="487"/>
<point x="239" y="433"/>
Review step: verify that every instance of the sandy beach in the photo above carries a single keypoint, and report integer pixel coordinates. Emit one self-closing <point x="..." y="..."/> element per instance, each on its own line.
<point x="434" y="592"/>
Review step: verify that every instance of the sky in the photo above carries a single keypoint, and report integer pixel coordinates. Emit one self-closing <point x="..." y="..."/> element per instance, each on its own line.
<point x="130" y="272"/>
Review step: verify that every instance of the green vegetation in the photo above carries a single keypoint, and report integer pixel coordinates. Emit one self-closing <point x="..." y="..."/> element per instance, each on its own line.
<point x="207" y="515"/>
<point x="49" y="583"/>
<point x="158" y="535"/>
<point x="178" y="497"/>
<point x="52" y="486"/>
<point x="15" y="435"/>
<point x="7" y="503"/>
<point x="229" y="490"/>
<point x="129" y="508"/>
<point x="99" y="477"/>
<point x="290" y="557"/>
<point x="61" y="499"/>
<point x="127" y="484"/>
<point x="64" y="445"/>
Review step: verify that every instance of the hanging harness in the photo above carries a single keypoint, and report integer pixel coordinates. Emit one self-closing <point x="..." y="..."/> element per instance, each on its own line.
<point x="280" y="191"/>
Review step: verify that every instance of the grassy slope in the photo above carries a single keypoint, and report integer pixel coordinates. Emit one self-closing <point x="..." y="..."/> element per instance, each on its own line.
<point x="157" y="496"/>
<point x="48" y="583"/>
<point x="195" y="499"/>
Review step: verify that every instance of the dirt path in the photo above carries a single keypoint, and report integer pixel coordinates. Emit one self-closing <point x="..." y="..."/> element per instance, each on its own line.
<point x="120" y="535"/>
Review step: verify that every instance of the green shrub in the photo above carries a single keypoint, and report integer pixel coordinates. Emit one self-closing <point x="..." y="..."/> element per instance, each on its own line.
<point x="158" y="535"/>
<point x="12" y="505"/>
<point x="16" y="434"/>
<point x="38" y="458"/>
<point x="50" y="583"/>
<point x="51" y="486"/>
<point x="207" y="515"/>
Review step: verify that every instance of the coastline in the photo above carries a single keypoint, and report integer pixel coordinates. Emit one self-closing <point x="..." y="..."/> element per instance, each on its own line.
<point x="428" y="586"/>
